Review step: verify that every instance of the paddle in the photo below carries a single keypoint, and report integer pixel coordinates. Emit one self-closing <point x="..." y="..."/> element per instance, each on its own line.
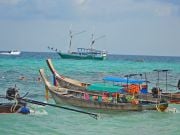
<point x="94" y="115"/>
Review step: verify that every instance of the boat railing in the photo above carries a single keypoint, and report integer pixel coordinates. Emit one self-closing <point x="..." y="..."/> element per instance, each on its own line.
<point x="90" y="51"/>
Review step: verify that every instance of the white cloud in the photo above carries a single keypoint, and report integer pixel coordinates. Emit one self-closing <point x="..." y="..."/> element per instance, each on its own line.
<point x="88" y="9"/>
<point x="165" y="10"/>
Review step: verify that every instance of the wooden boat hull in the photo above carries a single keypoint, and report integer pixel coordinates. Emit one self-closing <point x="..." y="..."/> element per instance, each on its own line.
<point x="77" y="85"/>
<point x="173" y="98"/>
<point x="9" y="108"/>
<point x="66" y="82"/>
<point x="70" y="97"/>
<point x="102" y="106"/>
<point x="79" y="57"/>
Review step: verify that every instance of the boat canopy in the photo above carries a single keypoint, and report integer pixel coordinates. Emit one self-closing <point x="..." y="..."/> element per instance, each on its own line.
<point x="104" y="87"/>
<point x="123" y="80"/>
<point x="89" y="50"/>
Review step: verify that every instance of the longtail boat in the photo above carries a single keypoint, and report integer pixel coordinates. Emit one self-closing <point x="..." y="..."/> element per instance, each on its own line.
<point x="93" y="101"/>
<point x="9" y="107"/>
<point x="66" y="82"/>
<point x="12" y="103"/>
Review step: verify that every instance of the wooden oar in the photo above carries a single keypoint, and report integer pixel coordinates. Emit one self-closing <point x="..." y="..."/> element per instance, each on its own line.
<point x="94" y="115"/>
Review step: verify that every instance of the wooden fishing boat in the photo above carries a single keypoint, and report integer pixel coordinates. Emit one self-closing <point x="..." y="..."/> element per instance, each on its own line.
<point x="19" y="104"/>
<point x="12" y="103"/>
<point x="62" y="81"/>
<point x="93" y="101"/>
<point x="65" y="82"/>
<point x="173" y="98"/>
<point x="9" y="107"/>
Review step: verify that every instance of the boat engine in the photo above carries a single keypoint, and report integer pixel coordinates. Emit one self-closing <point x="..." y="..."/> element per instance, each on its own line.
<point x="12" y="93"/>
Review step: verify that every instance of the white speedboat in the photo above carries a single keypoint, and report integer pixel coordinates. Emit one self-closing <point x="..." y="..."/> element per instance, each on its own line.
<point x="12" y="52"/>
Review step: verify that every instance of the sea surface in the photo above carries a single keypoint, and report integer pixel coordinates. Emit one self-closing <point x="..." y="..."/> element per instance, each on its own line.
<point x="55" y="121"/>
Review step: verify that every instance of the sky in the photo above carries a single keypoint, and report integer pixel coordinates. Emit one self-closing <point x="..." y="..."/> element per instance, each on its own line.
<point x="132" y="27"/>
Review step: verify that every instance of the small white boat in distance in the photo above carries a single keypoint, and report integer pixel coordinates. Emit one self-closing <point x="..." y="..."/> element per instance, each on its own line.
<point x="12" y="52"/>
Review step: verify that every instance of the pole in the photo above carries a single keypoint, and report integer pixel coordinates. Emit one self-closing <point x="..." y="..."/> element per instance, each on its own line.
<point x="158" y="79"/>
<point x="94" y="115"/>
<point x="166" y="81"/>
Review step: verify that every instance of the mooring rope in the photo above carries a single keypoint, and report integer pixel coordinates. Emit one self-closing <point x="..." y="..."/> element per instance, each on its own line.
<point x="157" y="107"/>
<point x="13" y="107"/>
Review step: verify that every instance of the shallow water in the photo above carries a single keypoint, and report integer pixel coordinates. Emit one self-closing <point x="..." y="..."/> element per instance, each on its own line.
<point x="54" y="121"/>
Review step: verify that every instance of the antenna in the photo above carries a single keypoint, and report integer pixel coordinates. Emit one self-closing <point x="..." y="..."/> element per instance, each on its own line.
<point x="71" y="36"/>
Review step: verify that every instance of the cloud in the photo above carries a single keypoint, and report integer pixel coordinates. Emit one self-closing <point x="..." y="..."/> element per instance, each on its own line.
<point x="86" y="9"/>
<point x="166" y="9"/>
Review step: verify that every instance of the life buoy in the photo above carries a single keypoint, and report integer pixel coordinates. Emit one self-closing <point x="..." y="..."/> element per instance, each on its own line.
<point x="133" y="88"/>
<point x="24" y="110"/>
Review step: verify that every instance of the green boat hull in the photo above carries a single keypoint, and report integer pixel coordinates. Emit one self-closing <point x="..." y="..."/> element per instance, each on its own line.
<point x="77" y="56"/>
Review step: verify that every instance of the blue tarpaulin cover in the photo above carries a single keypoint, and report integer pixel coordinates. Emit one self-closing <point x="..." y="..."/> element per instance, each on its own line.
<point x="124" y="80"/>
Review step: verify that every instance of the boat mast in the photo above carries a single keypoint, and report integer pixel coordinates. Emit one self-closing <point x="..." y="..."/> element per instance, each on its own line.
<point x="71" y="36"/>
<point x="93" y="40"/>
<point x="158" y="72"/>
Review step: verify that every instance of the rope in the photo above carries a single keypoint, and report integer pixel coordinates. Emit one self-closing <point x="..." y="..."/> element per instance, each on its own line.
<point x="157" y="107"/>
<point x="13" y="107"/>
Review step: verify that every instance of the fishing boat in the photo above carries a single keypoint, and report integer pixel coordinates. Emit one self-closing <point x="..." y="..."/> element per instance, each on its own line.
<point x="9" y="107"/>
<point x="66" y="82"/>
<point x="172" y="97"/>
<point x="99" y="102"/>
<point x="17" y="104"/>
<point x="12" y="103"/>
<point x="83" y="53"/>
<point x="12" y="52"/>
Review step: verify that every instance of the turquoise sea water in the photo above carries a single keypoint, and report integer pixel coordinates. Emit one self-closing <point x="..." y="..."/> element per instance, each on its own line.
<point x="54" y="121"/>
